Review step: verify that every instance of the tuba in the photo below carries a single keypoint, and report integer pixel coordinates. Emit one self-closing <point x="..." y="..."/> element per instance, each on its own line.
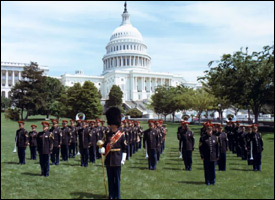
<point x="14" y="150"/>
<point x="80" y="116"/>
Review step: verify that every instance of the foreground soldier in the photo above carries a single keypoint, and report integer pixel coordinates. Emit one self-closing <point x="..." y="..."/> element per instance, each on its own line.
<point x="55" y="130"/>
<point x="151" y="139"/>
<point x="258" y="147"/>
<point x="33" y="142"/>
<point x="209" y="150"/>
<point x="65" y="140"/>
<point x="84" y="139"/>
<point x="44" y="146"/>
<point x="92" y="144"/>
<point x="21" y="139"/>
<point x="115" y="155"/>
<point x="188" y="142"/>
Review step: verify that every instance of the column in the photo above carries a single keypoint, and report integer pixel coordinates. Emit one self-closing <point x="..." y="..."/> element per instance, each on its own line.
<point x="136" y="83"/>
<point x="121" y="61"/>
<point x="150" y="85"/>
<point x="132" y="86"/>
<point x="7" y="78"/>
<point x="143" y="84"/>
<point x="19" y="75"/>
<point x="13" y="82"/>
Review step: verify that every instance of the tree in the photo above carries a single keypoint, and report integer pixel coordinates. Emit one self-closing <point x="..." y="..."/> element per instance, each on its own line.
<point x="243" y="79"/>
<point x="28" y="93"/>
<point x="84" y="99"/>
<point x="134" y="113"/>
<point x="5" y="103"/>
<point x="115" y="97"/>
<point x="202" y="101"/>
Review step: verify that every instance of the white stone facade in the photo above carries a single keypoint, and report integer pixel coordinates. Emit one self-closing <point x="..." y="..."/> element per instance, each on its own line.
<point x="11" y="74"/>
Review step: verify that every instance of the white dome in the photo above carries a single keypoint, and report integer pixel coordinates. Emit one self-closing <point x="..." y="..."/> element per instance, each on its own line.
<point x="126" y="31"/>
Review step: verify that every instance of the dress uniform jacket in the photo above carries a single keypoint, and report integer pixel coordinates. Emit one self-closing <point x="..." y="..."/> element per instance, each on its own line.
<point x="257" y="143"/>
<point x="33" y="138"/>
<point x="73" y="131"/>
<point x="65" y="136"/>
<point x="84" y="138"/>
<point x="44" y="142"/>
<point x="57" y="136"/>
<point x="187" y="138"/>
<point x="21" y="138"/>
<point x="152" y="138"/>
<point x="223" y="140"/>
<point x="127" y="135"/>
<point x="93" y="136"/>
<point x="209" y="148"/>
<point x="114" y="157"/>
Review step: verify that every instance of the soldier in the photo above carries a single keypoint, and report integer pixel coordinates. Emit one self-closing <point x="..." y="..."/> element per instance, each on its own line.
<point x="100" y="136"/>
<point x="22" y="142"/>
<point x="33" y="142"/>
<point x="243" y="143"/>
<point x="151" y="139"/>
<point x="84" y="140"/>
<point x="140" y="134"/>
<point x="188" y="142"/>
<point x="165" y="133"/>
<point x="115" y="155"/>
<point x="209" y="150"/>
<point x="230" y="135"/>
<point x="180" y="129"/>
<point x="73" y="131"/>
<point x="249" y="145"/>
<point x="223" y="144"/>
<point x="44" y="146"/>
<point x="93" y="140"/>
<point x="65" y="140"/>
<point x="159" y="132"/>
<point x="131" y="137"/>
<point x="104" y="129"/>
<point x="55" y="130"/>
<point x="258" y="147"/>
<point x="127" y="138"/>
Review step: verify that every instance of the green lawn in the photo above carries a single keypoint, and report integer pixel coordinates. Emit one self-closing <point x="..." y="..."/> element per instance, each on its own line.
<point x="69" y="180"/>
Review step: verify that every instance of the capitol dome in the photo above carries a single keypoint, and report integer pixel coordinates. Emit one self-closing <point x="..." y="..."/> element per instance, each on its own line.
<point x="126" y="49"/>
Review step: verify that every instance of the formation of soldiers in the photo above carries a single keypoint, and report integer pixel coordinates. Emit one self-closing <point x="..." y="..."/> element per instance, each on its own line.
<point x="81" y="136"/>
<point x="243" y="140"/>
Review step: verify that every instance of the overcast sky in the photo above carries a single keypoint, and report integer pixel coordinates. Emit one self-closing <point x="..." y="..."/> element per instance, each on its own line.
<point x="182" y="37"/>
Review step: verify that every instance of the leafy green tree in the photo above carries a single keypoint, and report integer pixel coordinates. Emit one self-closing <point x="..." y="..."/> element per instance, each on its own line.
<point x="5" y="103"/>
<point x="134" y="113"/>
<point x="28" y="93"/>
<point x="115" y="97"/>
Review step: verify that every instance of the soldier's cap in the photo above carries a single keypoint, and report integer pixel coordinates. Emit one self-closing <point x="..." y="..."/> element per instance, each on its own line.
<point x="219" y="125"/>
<point x="97" y="120"/>
<point x="248" y="126"/>
<point x="254" y="125"/>
<point x="237" y="122"/>
<point x="184" y="123"/>
<point x="33" y="126"/>
<point x="210" y="125"/>
<point x="91" y="121"/>
<point x="64" y="121"/>
<point x="54" y="121"/>
<point x="71" y="120"/>
<point x="185" y="118"/>
<point x="79" y="120"/>
<point x="45" y="123"/>
<point x="102" y="121"/>
<point x="21" y="122"/>
<point x="150" y="121"/>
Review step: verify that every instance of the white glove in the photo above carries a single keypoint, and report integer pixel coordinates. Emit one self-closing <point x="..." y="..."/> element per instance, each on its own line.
<point x="123" y="158"/>
<point x="101" y="150"/>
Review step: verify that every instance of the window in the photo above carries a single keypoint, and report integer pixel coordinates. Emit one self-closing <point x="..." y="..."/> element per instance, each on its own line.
<point x="3" y="94"/>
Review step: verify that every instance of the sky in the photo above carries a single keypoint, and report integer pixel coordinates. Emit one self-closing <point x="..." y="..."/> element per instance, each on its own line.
<point x="182" y="37"/>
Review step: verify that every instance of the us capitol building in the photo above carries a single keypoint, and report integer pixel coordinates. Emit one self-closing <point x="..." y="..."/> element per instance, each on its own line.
<point x="126" y="64"/>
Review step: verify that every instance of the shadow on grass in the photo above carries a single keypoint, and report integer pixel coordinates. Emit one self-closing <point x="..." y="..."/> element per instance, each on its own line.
<point x="30" y="174"/>
<point x="70" y="164"/>
<point x="245" y="170"/>
<point x="141" y="168"/>
<point x="11" y="163"/>
<point x="192" y="182"/>
<point x="173" y="169"/>
<point x="81" y="195"/>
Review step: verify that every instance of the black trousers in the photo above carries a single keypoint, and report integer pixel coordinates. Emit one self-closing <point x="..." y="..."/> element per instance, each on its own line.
<point x="72" y="149"/>
<point x="113" y="174"/>
<point x="92" y="154"/>
<point x="65" y="152"/>
<point x="187" y="158"/>
<point x="84" y="157"/>
<point x="209" y="172"/>
<point x="222" y="162"/>
<point x="33" y="153"/>
<point x="55" y="156"/>
<point x="45" y="164"/>
<point x="21" y="151"/>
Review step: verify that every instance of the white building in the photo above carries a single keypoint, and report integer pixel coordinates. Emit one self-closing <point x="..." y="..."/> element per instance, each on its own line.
<point x="127" y="64"/>
<point x="11" y="74"/>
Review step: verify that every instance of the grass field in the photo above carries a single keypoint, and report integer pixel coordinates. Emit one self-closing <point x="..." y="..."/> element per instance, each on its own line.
<point x="69" y="180"/>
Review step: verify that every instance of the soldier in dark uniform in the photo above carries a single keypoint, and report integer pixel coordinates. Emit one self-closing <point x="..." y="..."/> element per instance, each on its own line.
<point x="223" y="144"/>
<point x="115" y="154"/>
<point x="33" y="142"/>
<point x="209" y="150"/>
<point x="188" y="142"/>
<point x="127" y="138"/>
<point x="230" y="135"/>
<point x="84" y="140"/>
<point x="93" y="140"/>
<point x="140" y="134"/>
<point x="165" y="133"/>
<point x="131" y="137"/>
<point x="22" y="142"/>
<point x="258" y="147"/>
<point x="103" y="128"/>
<point x="180" y="129"/>
<point x="65" y="140"/>
<point x="151" y="138"/>
<point x="55" y="130"/>
<point x="159" y="132"/>
<point x="100" y="136"/>
<point x="243" y="143"/>
<point x="249" y="145"/>
<point x="73" y="130"/>
<point x="45" y="146"/>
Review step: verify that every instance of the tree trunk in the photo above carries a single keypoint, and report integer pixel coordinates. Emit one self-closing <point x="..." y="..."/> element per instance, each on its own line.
<point x="173" y="117"/>
<point x="28" y="112"/>
<point x="22" y="110"/>
<point x="221" y="117"/>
